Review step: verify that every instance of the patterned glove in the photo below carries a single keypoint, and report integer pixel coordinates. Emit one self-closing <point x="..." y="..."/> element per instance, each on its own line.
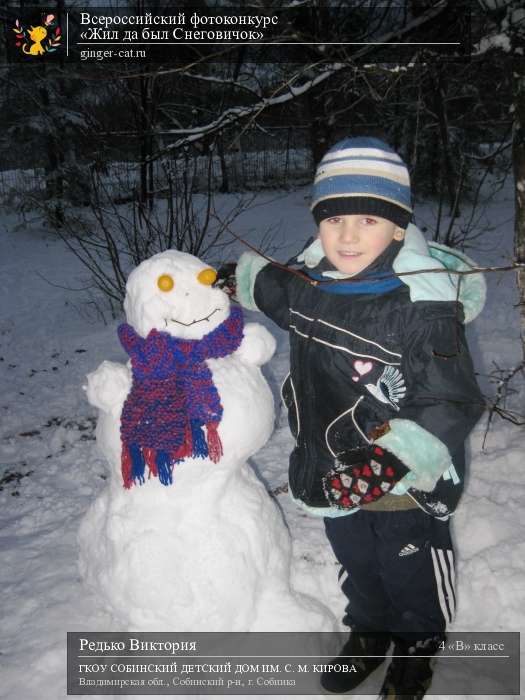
<point x="226" y="279"/>
<point x="362" y="476"/>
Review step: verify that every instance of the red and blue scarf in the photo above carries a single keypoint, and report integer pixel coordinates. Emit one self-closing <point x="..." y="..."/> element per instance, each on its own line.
<point x="172" y="398"/>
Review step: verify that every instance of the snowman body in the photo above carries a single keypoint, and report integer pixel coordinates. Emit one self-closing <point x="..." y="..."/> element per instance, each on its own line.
<point x="209" y="551"/>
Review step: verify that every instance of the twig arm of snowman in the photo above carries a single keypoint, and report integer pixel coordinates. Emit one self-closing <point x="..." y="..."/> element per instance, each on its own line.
<point x="257" y="346"/>
<point x="108" y="386"/>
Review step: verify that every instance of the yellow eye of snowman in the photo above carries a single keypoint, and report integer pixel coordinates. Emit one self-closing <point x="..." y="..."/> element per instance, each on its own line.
<point x="165" y="283"/>
<point x="207" y="276"/>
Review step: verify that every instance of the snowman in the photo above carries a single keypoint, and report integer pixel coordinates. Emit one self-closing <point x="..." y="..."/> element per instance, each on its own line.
<point x="184" y="536"/>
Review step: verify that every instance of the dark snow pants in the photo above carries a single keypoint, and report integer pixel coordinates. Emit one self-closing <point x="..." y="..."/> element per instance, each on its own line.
<point x="397" y="571"/>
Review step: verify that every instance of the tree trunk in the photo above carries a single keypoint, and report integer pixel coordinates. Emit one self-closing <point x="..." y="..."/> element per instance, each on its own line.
<point x="145" y="140"/>
<point x="54" y="161"/>
<point x="450" y="175"/>
<point x="225" y="183"/>
<point x="319" y="130"/>
<point x="518" y="162"/>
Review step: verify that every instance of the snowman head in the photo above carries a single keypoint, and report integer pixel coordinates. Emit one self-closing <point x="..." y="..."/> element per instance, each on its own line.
<point x="173" y="293"/>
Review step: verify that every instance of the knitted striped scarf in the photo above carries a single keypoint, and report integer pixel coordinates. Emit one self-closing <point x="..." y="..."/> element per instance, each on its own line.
<point x="172" y="398"/>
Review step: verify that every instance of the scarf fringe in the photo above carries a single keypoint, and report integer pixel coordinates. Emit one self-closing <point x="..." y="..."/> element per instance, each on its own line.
<point x="133" y="466"/>
<point x="200" y="446"/>
<point x="150" y="457"/>
<point x="214" y="442"/>
<point x="164" y="468"/>
<point x="160" y="463"/>
<point x="126" y="468"/>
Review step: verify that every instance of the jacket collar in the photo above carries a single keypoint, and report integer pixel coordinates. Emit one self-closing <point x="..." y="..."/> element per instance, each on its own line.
<point x="416" y="254"/>
<point x="377" y="278"/>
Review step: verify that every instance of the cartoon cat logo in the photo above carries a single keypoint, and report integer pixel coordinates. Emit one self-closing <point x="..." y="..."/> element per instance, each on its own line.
<point x="36" y="41"/>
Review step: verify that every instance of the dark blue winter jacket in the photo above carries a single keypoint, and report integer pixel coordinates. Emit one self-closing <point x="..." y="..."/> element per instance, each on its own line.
<point x="367" y="354"/>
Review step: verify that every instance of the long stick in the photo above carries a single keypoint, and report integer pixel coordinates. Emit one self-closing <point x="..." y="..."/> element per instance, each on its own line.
<point x="315" y="283"/>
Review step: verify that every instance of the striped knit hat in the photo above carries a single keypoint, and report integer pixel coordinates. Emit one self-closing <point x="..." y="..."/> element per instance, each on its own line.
<point x="362" y="176"/>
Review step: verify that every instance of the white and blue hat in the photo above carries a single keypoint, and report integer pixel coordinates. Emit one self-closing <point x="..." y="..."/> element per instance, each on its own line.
<point x="362" y="176"/>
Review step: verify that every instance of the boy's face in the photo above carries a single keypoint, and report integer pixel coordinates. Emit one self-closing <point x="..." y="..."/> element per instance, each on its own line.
<point x="353" y="241"/>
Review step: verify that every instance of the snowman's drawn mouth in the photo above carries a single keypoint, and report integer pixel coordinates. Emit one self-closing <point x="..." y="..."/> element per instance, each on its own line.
<point x="198" y="320"/>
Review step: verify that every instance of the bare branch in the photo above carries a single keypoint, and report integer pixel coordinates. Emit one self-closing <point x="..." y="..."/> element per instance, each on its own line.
<point x="502" y="378"/>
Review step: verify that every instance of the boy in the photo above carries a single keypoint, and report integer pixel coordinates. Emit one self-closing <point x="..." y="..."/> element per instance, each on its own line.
<point x="381" y="396"/>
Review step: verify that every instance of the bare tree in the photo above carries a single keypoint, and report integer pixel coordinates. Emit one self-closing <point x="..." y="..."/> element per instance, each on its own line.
<point x="518" y="160"/>
<point x="505" y="32"/>
<point x="110" y="239"/>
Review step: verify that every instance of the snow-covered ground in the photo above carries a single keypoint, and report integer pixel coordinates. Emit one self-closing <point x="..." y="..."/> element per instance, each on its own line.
<point x="51" y="470"/>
